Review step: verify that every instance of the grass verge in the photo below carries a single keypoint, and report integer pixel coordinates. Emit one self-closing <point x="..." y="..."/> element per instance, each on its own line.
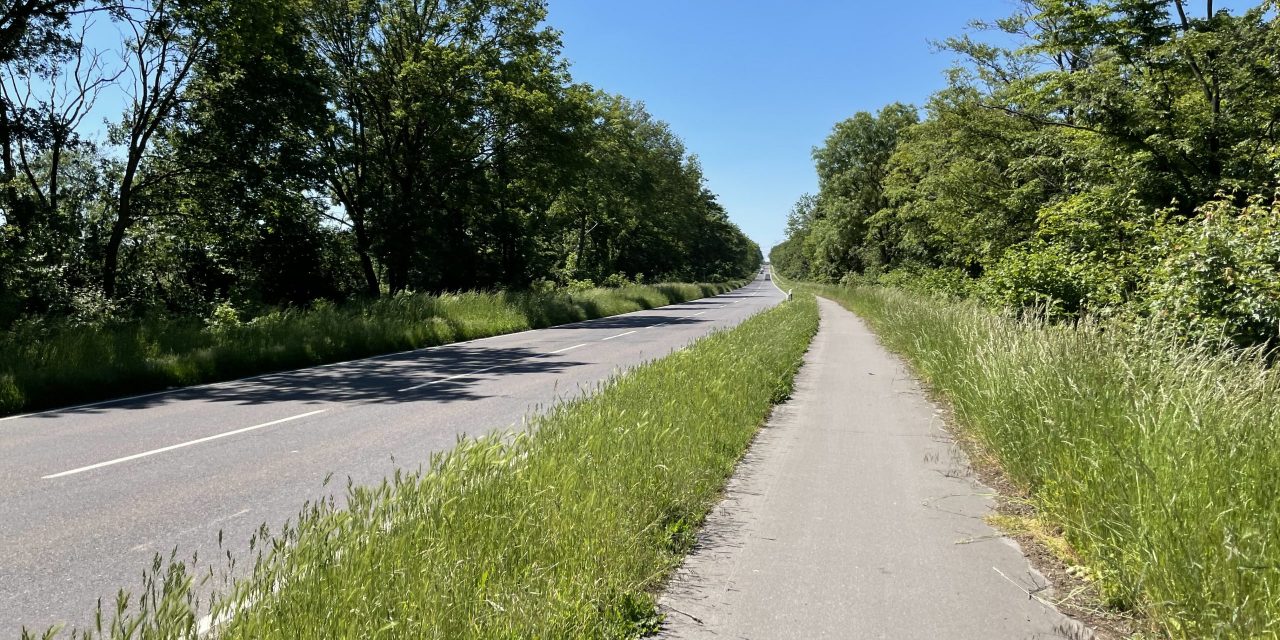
<point x="563" y="530"/>
<point x="1158" y="459"/>
<point x="43" y="367"/>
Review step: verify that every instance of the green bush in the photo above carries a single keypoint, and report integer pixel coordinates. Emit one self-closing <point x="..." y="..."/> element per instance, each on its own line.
<point x="10" y="397"/>
<point x="1219" y="278"/>
<point x="1053" y="280"/>
<point x="616" y="280"/>
<point x="945" y="281"/>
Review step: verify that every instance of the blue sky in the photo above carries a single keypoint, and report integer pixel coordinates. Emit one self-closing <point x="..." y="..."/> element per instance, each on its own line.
<point x="753" y="85"/>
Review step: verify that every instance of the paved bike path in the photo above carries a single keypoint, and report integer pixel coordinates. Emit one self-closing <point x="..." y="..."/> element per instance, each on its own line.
<point x="855" y="516"/>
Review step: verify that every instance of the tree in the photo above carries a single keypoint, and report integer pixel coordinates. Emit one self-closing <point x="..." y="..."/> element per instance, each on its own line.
<point x="35" y="46"/>
<point x="276" y="151"/>
<point x="852" y="167"/>
<point x="166" y="44"/>
<point x="253" y="109"/>
<point x="1059" y="171"/>
<point x="436" y="106"/>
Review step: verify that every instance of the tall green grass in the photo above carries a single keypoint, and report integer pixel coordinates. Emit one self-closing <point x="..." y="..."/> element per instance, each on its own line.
<point x="564" y="530"/>
<point x="1160" y="459"/>
<point x="42" y="366"/>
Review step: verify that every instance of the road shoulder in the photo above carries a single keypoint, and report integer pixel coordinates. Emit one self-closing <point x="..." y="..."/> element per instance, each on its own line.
<point x="855" y="515"/>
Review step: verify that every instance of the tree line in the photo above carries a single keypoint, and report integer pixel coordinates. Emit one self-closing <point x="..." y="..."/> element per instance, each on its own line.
<point x="1120" y="157"/>
<point x="279" y="151"/>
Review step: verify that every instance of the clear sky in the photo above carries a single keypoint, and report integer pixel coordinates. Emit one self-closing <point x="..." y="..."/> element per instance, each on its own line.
<point x="753" y="85"/>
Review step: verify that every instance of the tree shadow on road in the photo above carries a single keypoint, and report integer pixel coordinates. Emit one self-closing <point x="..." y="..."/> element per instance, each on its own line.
<point x="441" y="374"/>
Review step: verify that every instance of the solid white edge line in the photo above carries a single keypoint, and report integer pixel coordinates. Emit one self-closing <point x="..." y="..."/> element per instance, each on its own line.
<point x="327" y="365"/>
<point x="178" y="446"/>
<point x="380" y="356"/>
<point x="453" y="377"/>
<point x="618" y="336"/>
<point x="775" y="283"/>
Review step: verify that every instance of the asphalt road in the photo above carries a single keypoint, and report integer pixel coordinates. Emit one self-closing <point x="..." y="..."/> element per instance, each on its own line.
<point x="88" y="495"/>
<point x="853" y="516"/>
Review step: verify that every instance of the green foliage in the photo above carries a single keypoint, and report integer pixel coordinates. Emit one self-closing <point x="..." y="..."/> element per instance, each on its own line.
<point x="1157" y="457"/>
<point x="1219" y="278"/>
<point x="945" y="282"/>
<point x="846" y="232"/>
<point x="639" y="206"/>
<point x="789" y="259"/>
<point x="1073" y="169"/>
<point x="225" y="317"/>
<point x="276" y="152"/>
<point x="563" y="530"/>
<point x="1050" y="279"/>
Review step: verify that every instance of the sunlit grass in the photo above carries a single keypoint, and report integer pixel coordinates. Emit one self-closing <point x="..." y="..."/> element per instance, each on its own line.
<point x="43" y="367"/>
<point x="1161" y="460"/>
<point x="563" y="530"/>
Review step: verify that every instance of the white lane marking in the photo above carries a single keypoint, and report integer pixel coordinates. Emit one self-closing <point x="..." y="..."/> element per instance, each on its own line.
<point x="180" y="445"/>
<point x="775" y="284"/>
<point x="471" y="373"/>
<point x="453" y="377"/>
<point x="618" y="336"/>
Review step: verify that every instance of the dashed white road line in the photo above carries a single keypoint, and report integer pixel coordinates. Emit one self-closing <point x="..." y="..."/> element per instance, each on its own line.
<point x="463" y="375"/>
<point x="445" y="379"/>
<point x="179" y="445"/>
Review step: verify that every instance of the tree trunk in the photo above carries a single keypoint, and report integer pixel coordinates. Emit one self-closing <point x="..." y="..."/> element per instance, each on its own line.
<point x="111" y="256"/>
<point x="372" y="288"/>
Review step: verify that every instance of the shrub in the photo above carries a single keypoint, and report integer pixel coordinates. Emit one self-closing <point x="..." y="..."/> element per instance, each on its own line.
<point x="1219" y="278"/>
<point x="615" y="280"/>
<point x="1053" y="279"/>
<point x="577" y="286"/>
<point x="223" y="318"/>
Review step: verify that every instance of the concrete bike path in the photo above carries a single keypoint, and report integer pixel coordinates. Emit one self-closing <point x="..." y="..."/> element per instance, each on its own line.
<point x="854" y="515"/>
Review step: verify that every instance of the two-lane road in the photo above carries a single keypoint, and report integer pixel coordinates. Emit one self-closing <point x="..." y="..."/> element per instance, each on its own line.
<point x="88" y="495"/>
